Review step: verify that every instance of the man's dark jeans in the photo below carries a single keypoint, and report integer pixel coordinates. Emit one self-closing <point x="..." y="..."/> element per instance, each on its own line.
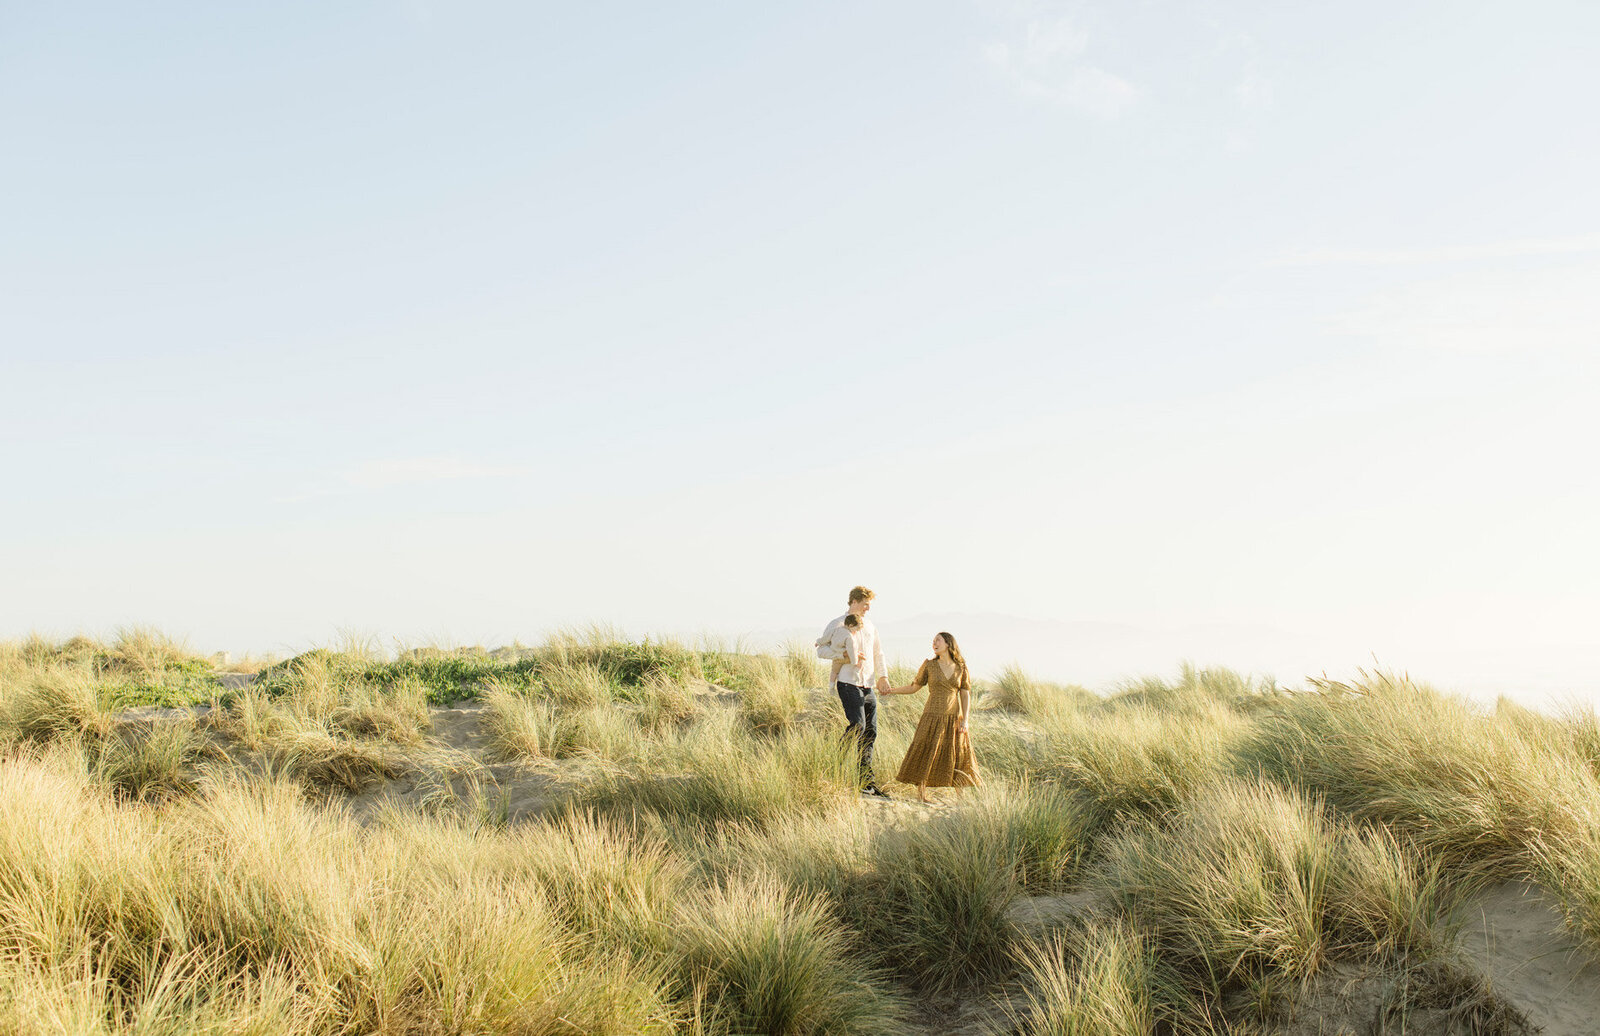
<point x="861" y="712"/>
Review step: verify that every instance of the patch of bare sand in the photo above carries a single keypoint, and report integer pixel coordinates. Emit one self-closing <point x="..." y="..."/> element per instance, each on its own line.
<point x="938" y="1017"/>
<point x="507" y="792"/>
<point x="1517" y="969"/>
<point x="451" y="768"/>
<point x="448" y="770"/>
<point x="1433" y="999"/>
<point x="459" y="727"/>
<point x="1515" y="936"/>
<point x="1039" y="915"/>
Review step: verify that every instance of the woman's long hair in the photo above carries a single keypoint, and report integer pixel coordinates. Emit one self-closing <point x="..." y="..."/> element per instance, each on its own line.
<point x="954" y="651"/>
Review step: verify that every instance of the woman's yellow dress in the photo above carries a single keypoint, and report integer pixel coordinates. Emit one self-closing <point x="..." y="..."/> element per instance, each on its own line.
<point x="940" y="755"/>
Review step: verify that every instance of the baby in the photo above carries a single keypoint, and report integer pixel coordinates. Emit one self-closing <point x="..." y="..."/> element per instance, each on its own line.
<point x="848" y="648"/>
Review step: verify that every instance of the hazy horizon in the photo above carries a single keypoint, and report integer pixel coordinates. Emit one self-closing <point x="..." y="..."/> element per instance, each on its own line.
<point x="1097" y="654"/>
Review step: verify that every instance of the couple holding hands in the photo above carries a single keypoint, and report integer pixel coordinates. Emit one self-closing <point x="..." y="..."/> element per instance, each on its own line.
<point x="940" y="755"/>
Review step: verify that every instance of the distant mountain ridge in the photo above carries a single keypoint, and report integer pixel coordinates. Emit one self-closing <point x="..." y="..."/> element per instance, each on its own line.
<point x="1100" y="655"/>
<point x="1089" y="652"/>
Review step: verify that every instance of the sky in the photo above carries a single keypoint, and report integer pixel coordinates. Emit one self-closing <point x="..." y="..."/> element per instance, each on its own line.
<point x="1269" y="330"/>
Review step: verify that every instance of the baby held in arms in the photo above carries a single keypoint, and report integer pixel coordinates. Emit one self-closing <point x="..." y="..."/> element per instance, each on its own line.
<point x="848" y="647"/>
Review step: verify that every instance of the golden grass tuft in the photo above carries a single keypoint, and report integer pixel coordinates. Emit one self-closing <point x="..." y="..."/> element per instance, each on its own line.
<point x="398" y="715"/>
<point x="519" y="728"/>
<point x="1096" y="980"/>
<point x="323" y="761"/>
<point x="577" y="684"/>
<point x="45" y="704"/>
<point x="666" y="703"/>
<point x="774" y="697"/>
<point x="148" y="652"/>
<point x="1015" y="691"/>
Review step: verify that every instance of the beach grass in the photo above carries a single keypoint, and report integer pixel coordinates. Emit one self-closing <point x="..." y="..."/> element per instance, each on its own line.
<point x="1201" y="851"/>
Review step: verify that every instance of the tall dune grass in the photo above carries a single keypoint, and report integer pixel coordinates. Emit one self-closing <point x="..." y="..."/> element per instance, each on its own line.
<point x="267" y="907"/>
<point x="711" y="774"/>
<point x="1016" y="691"/>
<point x="713" y="870"/>
<point x="1100" y="980"/>
<point x="1253" y="888"/>
<point x="1475" y="788"/>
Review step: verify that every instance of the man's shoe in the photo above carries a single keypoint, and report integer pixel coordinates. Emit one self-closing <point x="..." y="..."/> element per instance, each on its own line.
<point x="873" y="789"/>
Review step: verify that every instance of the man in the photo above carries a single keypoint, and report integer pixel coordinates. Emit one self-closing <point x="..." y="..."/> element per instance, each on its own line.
<point x="856" y="683"/>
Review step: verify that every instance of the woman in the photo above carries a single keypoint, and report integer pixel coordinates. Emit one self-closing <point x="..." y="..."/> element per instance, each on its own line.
<point x="940" y="755"/>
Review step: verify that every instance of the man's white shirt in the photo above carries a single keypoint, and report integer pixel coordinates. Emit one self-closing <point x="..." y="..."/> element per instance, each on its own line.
<point x="867" y="642"/>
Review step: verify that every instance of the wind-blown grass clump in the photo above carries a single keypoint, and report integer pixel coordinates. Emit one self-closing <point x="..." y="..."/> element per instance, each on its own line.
<point x="761" y="959"/>
<point x="44" y="705"/>
<point x="398" y="715"/>
<point x="929" y="902"/>
<point x="524" y="729"/>
<point x="772" y="698"/>
<point x="1199" y="690"/>
<point x="149" y="766"/>
<point x="1101" y="980"/>
<point x="1015" y="691"/>
<point x="666" y="704"/>
<point x="1254" y="888"/>
<point x="1477" y="790"/>
<point x="1131" y="760"/>
<point x="140" y="666"/>
<point x="321" y="760"/>
<point x="519" y="728"/>
<point x="713" y="775"/>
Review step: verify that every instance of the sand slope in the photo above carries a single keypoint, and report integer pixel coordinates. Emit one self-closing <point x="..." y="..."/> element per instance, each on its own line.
<point x="1515" y="936"/>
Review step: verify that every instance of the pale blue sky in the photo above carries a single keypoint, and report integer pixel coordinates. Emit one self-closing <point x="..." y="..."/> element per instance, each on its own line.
<point x="469" y="320"/>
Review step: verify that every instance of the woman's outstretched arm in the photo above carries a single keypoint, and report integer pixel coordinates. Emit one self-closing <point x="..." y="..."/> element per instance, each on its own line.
<point x="916" y="684"/>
